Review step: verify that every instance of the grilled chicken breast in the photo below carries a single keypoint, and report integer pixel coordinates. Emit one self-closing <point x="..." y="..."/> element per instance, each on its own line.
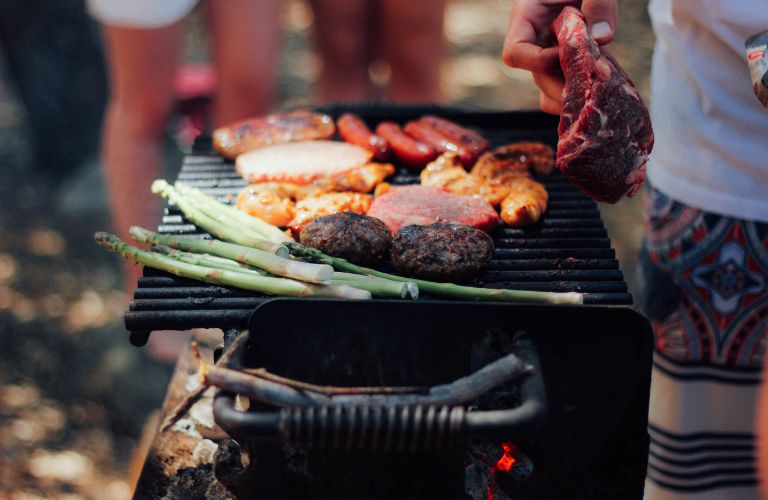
<point x="326" y="204"/>
<point x="448" y="173"/>
<point x="269" y="201"/>
<point x="525" y="203"/>
<point x="300" y="162"/>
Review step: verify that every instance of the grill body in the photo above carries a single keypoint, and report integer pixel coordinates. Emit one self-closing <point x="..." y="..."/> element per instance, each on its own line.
<point x="568" y="250"/>
<point x="595" y="363"/>
<point x="595" y="359"/>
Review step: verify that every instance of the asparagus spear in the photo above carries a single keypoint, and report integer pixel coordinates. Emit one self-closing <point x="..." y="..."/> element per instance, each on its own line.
<point x="442" y="289"/>
<point x="302" y="271"/>
<point x="376" y="286"/>
<point x="231" y="215"/>
<point x="248" y="281"/>
<point x="207" y="260"/>
<point x="216" y="227"/>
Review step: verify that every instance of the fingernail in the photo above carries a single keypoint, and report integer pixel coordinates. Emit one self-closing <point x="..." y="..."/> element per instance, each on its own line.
<point x="601" y="30"/>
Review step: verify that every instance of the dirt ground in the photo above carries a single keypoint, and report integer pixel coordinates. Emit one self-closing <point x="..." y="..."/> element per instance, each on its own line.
<point x="74" y="394"/>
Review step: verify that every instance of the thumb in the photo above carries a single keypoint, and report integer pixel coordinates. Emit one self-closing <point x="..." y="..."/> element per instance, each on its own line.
<point x="602" y="17"/>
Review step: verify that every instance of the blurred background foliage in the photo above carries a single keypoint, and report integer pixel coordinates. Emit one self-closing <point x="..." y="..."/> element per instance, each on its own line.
<point x="74" y="395"/>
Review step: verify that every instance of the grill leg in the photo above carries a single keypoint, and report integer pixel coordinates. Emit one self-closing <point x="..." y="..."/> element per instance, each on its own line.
<point x="140" y="338"/>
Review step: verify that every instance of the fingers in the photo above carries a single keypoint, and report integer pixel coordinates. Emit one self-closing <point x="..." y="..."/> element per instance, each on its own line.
<point x="548" y="105"/>
<point x="529" y="56"/>
<point x="550" y="85"/>
<point x="602" y="17"/>
<point x="525" y="45"/>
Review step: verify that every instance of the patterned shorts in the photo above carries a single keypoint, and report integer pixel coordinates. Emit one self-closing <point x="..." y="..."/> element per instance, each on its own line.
<point x="702" y="282"/>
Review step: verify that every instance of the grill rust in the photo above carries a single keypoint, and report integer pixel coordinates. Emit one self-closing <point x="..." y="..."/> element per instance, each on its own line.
<point x="567" y="250"/>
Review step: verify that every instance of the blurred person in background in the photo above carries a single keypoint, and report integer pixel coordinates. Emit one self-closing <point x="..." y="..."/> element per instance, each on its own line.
<point x="353" y="35"/>
<point x="52" y="56"/>
<point x="703" y="270"/>
<point x="143" y="44"/>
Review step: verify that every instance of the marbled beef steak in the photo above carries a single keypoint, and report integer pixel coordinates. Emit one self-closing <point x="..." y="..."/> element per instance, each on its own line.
<point x="605" y="132"/>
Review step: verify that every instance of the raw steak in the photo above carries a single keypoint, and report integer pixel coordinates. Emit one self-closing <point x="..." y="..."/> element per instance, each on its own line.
<point x="605" y="132"/>
<point x="402" y="206"/>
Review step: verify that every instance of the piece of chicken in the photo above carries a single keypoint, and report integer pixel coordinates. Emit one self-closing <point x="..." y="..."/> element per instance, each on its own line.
<point x="361" y="179"/>
<point x="313" y="207"/>
<point x="525" y="203"/>
<point x="447" y="172"/>
<point x="269" y="201"/>
<point x="274" y="202"/>
<point x="513" y="160"/>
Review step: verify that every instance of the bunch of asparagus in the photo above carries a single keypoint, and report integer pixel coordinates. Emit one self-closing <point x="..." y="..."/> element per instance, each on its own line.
<point x="260" y="257"/>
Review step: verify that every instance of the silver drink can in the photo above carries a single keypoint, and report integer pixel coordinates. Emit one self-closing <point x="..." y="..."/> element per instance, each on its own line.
<point x="757" y="56"/>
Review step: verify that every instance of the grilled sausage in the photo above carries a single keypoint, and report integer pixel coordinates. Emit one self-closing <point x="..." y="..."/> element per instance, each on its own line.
<point x="427" y="132"/>
<point x="511" y="160"/>
<point x="354" y="130"/>
<point x="408" y="150"/>
<point x="473" y="143"/>
<point x="237" y="138"/>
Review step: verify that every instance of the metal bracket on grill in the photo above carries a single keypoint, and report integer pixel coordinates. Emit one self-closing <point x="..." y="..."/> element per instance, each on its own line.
<point x="373" y="428"/>
<point x="384" y="427"/>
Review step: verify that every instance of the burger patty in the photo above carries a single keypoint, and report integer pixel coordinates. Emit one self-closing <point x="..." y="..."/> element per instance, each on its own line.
<point x="441" y="252"/>
<point x="357" y="238"/>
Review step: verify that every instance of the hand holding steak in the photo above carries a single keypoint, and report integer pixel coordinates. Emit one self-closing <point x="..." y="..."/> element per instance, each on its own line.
<point x="605" y="132"/>
<point x="441" y="252"/>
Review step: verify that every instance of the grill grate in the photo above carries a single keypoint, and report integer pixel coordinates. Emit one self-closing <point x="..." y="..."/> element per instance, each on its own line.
<point x="568" y="250"/>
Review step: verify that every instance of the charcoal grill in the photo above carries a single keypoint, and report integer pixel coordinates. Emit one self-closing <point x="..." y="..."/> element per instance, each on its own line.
<point x="594" y="359"/>
<point x="568" y="250"/>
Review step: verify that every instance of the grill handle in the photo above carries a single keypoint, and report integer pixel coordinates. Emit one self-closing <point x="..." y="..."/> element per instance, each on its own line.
<point x="388" y="427"/>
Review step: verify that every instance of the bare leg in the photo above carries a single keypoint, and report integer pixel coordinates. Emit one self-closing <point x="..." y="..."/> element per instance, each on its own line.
<point x="412" y="42"/>
<point x="344" y="43"/>
<point x="142" y="64"/>
<point x="762" y="431"/>
<point x="246" y="44"/>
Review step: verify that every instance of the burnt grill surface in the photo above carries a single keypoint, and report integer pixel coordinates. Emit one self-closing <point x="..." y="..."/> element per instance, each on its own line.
<point x="568" y="250"/>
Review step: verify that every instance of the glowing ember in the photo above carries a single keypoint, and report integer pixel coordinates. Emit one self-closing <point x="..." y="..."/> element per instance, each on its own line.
<point x="504" y="464"/>
<point x="508" y="459"/>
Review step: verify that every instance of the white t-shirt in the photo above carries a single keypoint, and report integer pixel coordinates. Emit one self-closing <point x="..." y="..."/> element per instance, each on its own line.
<point x="140" y="14"/>
<point x="711" y="131"/>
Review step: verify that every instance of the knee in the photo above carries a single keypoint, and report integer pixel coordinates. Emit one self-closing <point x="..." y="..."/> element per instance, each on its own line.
<point x="145" y="115"/>
<point x="245" y="93"/>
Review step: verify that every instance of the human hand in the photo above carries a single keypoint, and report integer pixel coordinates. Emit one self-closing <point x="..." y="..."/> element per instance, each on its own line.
<point x="528" y="44"/>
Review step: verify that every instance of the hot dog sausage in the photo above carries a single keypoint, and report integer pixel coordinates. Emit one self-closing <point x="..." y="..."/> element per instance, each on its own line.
<point x="408" y="150"/>
<point x="447" y="136"/>
<point x="469" y="139"/>
<point x="354" y="130"/>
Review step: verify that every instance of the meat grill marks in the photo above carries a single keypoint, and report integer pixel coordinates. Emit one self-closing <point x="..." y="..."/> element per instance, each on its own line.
<point x="567" y="250"/>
